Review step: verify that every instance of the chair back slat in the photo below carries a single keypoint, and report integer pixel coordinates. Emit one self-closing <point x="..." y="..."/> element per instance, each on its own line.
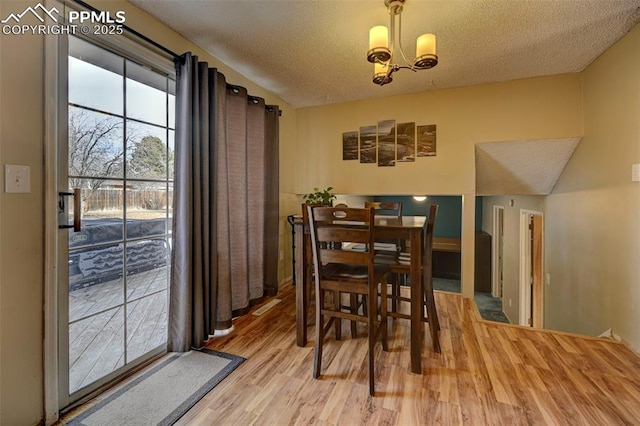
<point x="332" y="227"/>
<point x="341" y="233"/>
<point x="385" y="208"/>
<point x="344" y="256"/>
<point x="346" y="214"/>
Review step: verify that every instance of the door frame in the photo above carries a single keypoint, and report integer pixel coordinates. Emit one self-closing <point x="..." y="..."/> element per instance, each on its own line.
<point x="52" y="51"/>
<point x="495" y="264"/>
<point x="535" y="288"/>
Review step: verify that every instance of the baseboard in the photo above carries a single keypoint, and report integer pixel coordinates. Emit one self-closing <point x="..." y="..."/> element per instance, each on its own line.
<point x="609" y="334"/>
<point x="628" y="345"/>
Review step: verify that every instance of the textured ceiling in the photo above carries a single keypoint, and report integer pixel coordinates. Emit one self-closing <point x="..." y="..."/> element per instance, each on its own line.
<point x="527" y="167"/>
<point x="313" y="52"/>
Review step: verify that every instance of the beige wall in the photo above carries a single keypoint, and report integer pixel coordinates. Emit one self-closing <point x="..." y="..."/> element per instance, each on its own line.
<point x="21" y="215"/>
<point x="21" y="228"/>
<point x="593" y="225"/>
<point x="537" y="108"/>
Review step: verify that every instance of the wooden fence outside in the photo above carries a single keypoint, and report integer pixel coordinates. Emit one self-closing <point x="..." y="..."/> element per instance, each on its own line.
<point x="136" y="199"/>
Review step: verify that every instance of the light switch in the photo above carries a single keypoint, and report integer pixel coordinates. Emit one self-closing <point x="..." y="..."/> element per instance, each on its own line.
<point x="17" y="179"/>
<point x="635" y="173"/>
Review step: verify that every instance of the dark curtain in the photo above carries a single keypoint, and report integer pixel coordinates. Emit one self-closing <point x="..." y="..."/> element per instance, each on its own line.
<point x="272" y="197"/>
<point x="223" y="224"/>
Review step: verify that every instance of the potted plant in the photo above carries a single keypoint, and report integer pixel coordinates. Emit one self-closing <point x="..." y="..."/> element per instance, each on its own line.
<point x="323" y="197"/>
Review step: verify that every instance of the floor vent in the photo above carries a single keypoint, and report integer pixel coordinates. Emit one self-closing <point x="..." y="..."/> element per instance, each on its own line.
<point x="266" y="307"/>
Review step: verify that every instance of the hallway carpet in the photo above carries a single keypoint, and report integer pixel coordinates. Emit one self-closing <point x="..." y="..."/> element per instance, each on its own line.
<point x="490" y="307"/>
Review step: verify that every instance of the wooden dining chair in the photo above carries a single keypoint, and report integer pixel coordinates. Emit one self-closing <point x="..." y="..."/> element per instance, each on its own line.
<point x="355" y="302"/>
<point x="393" y="210"/>
<point x="338" y="272"/>
<point x="401" y="264"/>
<point x="308" y="260"/>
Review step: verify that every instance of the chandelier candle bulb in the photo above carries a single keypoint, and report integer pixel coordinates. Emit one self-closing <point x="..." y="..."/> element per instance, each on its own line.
<point x="426" y="45"/>
<point x="378" y="45"/>
<point x="379" y="37"/>
<point x="426" y="52"/>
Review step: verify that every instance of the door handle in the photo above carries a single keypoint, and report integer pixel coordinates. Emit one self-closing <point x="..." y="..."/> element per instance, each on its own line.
<point x="62" y="210"/>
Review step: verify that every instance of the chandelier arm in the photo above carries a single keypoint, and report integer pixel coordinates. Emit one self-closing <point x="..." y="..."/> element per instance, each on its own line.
<point x="400" y="43"/>
<point x="405" y="67"/>
<point x="390" y="70"/>
<point x="387" y="78"/>
<point x="392" y="33"/>
<point x="388" y="66"/>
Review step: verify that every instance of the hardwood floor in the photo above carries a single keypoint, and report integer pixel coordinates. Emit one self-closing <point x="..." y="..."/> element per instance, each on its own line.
<point x="488" y="374"/>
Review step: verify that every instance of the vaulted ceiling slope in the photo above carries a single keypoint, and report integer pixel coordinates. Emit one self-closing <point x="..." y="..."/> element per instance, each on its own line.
<point x="525" y="167"/>
<point x="313" y="52"/>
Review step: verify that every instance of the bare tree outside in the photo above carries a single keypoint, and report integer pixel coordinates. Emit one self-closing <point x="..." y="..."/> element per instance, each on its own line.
<point x="96" y="153"/>
<point x="96" y="149"/>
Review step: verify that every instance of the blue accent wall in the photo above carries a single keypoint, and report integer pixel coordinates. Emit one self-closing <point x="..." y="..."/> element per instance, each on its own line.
<point x="449" y="222"/>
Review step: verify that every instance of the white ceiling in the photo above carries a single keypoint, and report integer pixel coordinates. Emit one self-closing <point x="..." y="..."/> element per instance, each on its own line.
<point x="313" y="52"/>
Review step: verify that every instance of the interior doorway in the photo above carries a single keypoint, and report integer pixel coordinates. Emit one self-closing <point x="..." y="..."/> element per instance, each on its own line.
<point x="531" y="268"/>
<point x="498" y="252"/>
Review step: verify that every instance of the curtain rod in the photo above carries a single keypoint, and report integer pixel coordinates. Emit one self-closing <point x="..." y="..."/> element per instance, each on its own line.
<point x="254" y="99"/>
<point x="134" y="32"/>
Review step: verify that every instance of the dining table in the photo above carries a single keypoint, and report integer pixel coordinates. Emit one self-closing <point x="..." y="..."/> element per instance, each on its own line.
<point x="408" y="228"/>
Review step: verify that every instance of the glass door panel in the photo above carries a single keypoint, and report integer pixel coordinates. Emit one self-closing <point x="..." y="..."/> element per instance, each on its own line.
<point x="96" y="347"/>
<point x="146" y="322"/>
<point x="119" y="153"/>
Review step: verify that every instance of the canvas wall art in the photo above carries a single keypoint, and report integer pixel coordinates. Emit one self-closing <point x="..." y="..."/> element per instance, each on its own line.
<point x="387" y="143"/>
<point x="368" y="144"/>
<point x="406" y="142"/>
<point x="426" y="140"/>
<point x="350" y="146"/>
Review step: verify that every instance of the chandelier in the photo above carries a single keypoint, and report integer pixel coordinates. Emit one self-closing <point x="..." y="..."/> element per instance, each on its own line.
<point x="382" y="47"/>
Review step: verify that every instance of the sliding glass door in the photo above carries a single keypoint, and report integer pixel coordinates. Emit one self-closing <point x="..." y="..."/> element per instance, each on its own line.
<point x="115" y="177"/>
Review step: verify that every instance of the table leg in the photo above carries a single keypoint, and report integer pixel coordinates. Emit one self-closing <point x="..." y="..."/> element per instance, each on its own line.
<point x="301" y="287"/>
<point x="416" y="302"/>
